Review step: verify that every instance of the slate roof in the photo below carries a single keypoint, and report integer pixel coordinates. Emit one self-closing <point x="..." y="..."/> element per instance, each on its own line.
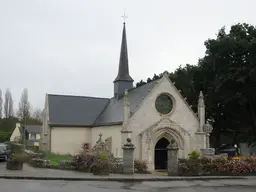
<point x="74" y="110"/>
<point x="113" y="113"/>
<point x="33" y="128"/>
<point x="69" y="110"/>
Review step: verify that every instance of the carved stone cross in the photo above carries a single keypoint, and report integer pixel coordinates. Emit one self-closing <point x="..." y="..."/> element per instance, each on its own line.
<point x="100" y="138"/>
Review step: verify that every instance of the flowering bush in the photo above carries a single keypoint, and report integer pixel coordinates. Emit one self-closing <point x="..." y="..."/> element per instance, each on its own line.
<point x="218" y="166"/>
<point x="236" y="166"/>
<point x="83" y="161"/>
<point x="141" y="167"/>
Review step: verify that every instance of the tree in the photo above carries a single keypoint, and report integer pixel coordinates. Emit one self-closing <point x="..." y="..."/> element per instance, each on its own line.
<point x="1" y="104"/>
<point x="37" y="114"/>
<point x="24" y="106"/>
<point x="229" y="74"/>
<point x="227" y="77"/>
<point x="8" y="104"/>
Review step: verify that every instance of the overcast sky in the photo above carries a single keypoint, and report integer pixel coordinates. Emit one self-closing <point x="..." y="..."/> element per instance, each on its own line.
<point x="72" y="46"/>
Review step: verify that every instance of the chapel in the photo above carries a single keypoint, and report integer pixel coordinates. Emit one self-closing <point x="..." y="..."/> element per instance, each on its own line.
<point x="152" y="115"/>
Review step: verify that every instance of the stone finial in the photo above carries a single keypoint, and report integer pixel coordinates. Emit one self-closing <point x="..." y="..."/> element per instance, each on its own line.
<point x="129" y="144"/>
<point x="207" y="128"/>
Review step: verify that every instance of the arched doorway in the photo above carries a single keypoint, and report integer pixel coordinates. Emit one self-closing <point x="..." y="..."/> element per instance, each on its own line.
<point x="161" y="154"/>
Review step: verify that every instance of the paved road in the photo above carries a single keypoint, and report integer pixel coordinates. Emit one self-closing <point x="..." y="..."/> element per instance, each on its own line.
<point x="93" y="186"/>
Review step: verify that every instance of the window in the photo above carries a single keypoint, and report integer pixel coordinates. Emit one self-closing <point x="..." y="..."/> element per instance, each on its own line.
<point x="164" y="104"/>
<point x="33" y="136"/>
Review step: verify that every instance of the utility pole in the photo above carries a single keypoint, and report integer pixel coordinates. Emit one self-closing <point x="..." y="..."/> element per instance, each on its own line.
<point x="24" y="129"/>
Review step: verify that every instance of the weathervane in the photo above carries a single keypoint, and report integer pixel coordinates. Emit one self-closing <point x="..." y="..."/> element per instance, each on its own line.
<point x="124" y="17"/>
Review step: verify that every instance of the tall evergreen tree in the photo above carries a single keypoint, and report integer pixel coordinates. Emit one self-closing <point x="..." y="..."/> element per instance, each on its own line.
<point x="8" y="104"/>
<point x="24" y="106"/>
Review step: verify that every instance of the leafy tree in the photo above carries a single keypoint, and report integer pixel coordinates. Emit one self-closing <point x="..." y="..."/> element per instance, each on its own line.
<point x="188" y="80"/>
<point x="229" y="79"/>
<point x="6" y="128"/>
<point x="140" y="83"/>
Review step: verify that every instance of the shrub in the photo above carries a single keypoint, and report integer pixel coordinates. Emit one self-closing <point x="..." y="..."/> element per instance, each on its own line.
<point x="65" y="164"/>
<point x="194" y="155"/>
<point x="140" y="167"/>
<point x="83" y="161"/>
<point x="37" y="162"/>
<point x="222" y="165"/>
<point x="20" y="157"/>
<point x="117" y="166"/>
<point x="189" y="167"/>
<point x="101" y="164"/>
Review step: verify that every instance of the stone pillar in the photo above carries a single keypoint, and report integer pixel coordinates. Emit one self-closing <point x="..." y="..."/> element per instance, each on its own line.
<point x="128" y="161"/>
<point x="126" y="132"/>
<point x="172" y="163"/>
<point x="207" y="128"/>
<point x="201" y="111"/>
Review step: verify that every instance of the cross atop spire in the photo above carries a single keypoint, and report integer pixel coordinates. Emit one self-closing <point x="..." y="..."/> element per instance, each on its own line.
<point x="124" y="17"/>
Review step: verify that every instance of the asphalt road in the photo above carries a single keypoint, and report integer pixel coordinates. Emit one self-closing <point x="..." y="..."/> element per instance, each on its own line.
<point x="100" y="186"/>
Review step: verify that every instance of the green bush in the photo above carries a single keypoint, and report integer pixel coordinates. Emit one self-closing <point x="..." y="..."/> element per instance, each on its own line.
<point x="101" y="164"/>
<point x="194" y="155"/>
<point x="20" y="157"/>
<point x="190" y="167"/>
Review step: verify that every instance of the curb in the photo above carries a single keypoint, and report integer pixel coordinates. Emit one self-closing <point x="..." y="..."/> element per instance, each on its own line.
<point x="131" y="179"/>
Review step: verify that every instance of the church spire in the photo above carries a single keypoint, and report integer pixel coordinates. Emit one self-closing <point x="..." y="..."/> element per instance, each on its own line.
<point x="123" y="71"/>
<point x="123" y="80"/>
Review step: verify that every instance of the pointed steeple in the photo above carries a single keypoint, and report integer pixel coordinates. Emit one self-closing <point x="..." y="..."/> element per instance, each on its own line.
<point x="123" y="80"/>
<point x="123" y="71"/>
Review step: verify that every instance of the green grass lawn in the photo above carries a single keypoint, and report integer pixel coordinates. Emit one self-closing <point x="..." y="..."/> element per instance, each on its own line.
<point x="55" y="159"/>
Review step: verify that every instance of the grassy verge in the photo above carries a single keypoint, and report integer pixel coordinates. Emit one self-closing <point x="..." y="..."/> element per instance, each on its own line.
<point x="55" y="159"/>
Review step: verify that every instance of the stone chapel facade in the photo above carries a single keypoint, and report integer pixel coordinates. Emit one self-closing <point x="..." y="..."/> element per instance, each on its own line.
<point x="152" y="115"/>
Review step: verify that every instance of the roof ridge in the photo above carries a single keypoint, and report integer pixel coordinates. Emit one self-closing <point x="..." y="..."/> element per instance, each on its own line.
<point x="134" y="88"/>
<point x="78" y="96"/>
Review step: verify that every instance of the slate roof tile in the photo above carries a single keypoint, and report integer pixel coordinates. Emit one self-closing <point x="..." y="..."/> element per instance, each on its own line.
<point x="91" y="111"/>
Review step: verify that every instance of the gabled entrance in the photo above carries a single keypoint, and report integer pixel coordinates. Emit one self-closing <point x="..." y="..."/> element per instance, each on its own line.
<point x="161" y="154"/>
